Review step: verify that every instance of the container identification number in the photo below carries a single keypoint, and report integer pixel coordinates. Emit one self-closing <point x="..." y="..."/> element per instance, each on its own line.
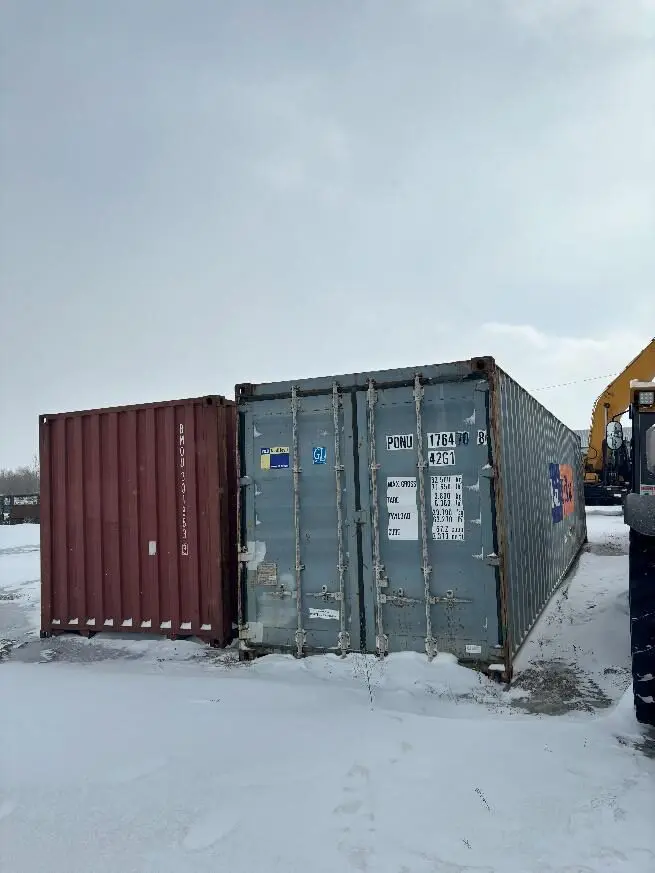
<point x="183" y="518"/>
<point x="448" y="439"/>
<point x="400" y="441"/>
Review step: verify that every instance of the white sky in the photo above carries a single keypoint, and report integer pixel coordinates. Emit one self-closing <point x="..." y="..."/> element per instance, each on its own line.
<point x="194" y="195"/>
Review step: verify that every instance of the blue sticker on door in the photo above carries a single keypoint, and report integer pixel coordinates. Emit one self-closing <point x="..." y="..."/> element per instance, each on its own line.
<point x="275" y="458"/>
<point x="319" y="454"/>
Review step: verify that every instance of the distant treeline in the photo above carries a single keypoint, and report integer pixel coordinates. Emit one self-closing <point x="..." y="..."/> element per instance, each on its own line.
<point x="22" y="480"/>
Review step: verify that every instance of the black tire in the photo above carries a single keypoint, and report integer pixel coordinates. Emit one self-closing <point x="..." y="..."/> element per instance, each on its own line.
<point x="642" y="632"/>
<point x="644" y="711"/>
<point x="642" y="625"/>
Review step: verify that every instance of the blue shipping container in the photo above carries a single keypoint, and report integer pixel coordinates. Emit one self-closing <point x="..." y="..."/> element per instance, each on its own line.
<point x="425" y="509"/>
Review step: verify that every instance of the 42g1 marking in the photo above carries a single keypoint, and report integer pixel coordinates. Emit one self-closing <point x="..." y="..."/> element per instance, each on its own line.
<point x="442" y="458"/>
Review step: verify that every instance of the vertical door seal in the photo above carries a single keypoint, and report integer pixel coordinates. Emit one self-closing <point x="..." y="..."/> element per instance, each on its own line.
<point x="358" y="532"/>
<point x="430" y="642"/>
<point x="240" y="453"/>
<point x="300" y="633"/>
<point x="381" y="639"/>
<point x="499" y="515"/>
<point x="343" y="640"/>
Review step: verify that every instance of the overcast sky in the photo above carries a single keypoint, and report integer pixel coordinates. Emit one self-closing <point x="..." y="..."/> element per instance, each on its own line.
<point x="194" y="194"/>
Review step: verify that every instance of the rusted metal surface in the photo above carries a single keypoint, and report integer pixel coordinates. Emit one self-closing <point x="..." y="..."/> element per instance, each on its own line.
<point x="138" y="520"/>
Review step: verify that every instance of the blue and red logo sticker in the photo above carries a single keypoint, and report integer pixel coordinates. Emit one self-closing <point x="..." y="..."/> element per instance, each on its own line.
<point x="561" y="484"/>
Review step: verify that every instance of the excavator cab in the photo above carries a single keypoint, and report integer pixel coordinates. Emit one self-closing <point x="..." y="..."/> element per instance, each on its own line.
<point x="639" y="515"/>
<point x="608" y="462"/>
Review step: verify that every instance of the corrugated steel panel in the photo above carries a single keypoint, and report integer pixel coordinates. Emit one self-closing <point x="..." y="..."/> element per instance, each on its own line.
<point x="137" y="528"/>
<point x="376" y="513"/>
<point x="538" y="459"/>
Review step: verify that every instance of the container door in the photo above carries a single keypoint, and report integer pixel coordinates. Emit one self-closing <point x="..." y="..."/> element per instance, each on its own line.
<point x="432" y="585"/>
<point x="297" y="594"/>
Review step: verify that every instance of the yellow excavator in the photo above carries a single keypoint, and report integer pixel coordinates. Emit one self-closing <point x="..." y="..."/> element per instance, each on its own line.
<point x="607" y="473"/>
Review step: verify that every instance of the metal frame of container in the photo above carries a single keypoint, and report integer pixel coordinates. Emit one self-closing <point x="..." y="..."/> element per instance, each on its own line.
<point x="484" y="513"/>
<point x="138" y="526"/>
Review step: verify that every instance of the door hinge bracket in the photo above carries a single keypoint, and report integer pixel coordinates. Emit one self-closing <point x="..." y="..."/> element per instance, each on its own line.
<point x="343" y="642"/>
<point x="325" y="595"/>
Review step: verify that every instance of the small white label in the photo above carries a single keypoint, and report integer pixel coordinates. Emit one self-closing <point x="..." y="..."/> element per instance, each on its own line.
<point x="406" y="487"/>
<point x="402" y="511"/>
<point x="482" y="437"/>
<point x="473" y="650"/>
<point x="447" y="503"/>
<point x="31" y="500"/>
<point x="152" y="547"/>
<point x="448" y="515"/>
<point x="442" y="458"/>
<point x="448" y="532"/>
<point x="398" y="442"/>
<point x="325" y="614"/>
<point x="447" y="439"/>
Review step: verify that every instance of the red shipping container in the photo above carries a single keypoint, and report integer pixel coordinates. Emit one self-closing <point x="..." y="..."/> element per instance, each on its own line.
<point x="138" y="520"/>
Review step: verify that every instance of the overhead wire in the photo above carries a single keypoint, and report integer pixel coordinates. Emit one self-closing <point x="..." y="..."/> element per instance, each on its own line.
<point x="575" y="382"/>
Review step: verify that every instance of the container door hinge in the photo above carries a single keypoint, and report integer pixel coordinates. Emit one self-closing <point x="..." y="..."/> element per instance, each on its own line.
<point x="492" y="560"/>
<point x="448" y="600"/>
<point x="326" y="595"/>
<point x="487" y="472"/>
<point x="360" y="516"/>
<point x="301" y="639"/>
<point x="244" y="481"/>
<point x="343" y="642"/>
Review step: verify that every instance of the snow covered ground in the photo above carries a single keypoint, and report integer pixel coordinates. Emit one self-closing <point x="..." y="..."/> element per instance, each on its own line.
<point x="158" y="757"/>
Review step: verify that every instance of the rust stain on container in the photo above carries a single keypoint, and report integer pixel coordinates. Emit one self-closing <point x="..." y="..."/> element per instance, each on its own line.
<point x="138" y="519"/>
